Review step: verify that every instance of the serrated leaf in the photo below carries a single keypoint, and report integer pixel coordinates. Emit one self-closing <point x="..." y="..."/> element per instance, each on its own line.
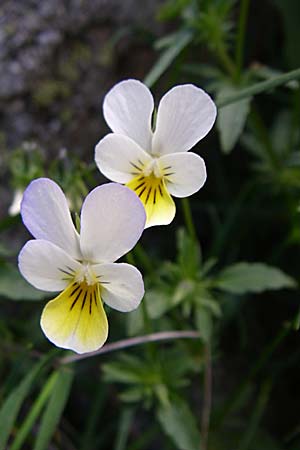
<point x="55" y="407"/>
<point x="232" y="118"/>
<point x="179" y="423"/>
<point x="14" y="287"/>
<point x="242" y="278"/>
<point x="13" y="403"/>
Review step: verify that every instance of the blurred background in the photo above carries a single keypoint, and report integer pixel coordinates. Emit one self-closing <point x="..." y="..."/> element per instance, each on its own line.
<point x="233" y="275"/>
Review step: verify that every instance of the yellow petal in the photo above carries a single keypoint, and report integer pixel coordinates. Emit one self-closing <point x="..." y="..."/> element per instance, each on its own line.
<point x="159" y="205"/>
<point x="76" y="319"/>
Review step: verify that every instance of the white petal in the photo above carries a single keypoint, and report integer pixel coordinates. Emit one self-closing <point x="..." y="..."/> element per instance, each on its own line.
<point x="46" y="266"/>
<point x="46" y="214"/>
<point x="119" y="158"/>
<point x="112" y="221"/>
<point x="122" y="285"/>
<point x="185" y="115"/>
<point x="15" y="206"/>
<point x="184" y="173"/>
<point x="127" y="109"/>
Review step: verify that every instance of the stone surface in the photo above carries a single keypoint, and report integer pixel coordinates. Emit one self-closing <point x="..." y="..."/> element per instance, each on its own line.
<point x="59" y="57"/>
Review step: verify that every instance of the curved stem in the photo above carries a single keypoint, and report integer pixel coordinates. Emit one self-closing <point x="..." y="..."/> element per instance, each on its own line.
<point x="131" y="342"/>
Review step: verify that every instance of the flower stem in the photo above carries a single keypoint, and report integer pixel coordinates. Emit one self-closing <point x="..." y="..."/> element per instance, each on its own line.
<point x="207" y="400"/>
<point x="262" y="86"/>
<point x="240" y="39"/>
<point x="188" y="218"/>
<point x="131" y="342"/>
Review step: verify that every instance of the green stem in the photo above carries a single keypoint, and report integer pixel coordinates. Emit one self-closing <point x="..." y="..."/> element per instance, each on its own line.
<point x="257" y="88"/>
<point x="261" y="130"/>
<point x="240" y="39"/>
<point x="263" y="358"/>
<point x="256" y="416"/>
<point x="207" y="397"/>
<point x="143" y="257"/>
<point x="188" y="218"/>
<point x="225" y="60"/>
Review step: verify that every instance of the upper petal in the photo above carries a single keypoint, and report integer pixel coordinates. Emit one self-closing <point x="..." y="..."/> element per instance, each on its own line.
<point x="184" y="173"/>
<point x="46" y="266"/>
<point x="127" y="109"/>
<point x="122" y="285"/>
<point x="112" y="221"/>
<point x="185" y="115"/>
<point x="119" y="158"/>
<point x="46" y="214"/>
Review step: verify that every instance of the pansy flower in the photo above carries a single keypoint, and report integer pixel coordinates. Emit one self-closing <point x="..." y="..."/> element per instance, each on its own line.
<point x="155" y="163"/>
<point x="81" y="265"/>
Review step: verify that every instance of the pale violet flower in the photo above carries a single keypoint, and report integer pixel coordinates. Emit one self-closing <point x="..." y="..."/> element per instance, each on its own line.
<point x="155" y="163"/>
<point x="81" y="265"/>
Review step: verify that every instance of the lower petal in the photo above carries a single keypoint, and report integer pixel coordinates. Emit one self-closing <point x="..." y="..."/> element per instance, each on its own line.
<point x="76" y="319"/>
<point x="159" y="205"/>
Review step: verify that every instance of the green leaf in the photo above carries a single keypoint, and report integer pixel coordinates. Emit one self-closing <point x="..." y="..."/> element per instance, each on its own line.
<point x="189" y="254"/>
<point x="13" y="403"/>
<point x="232" y="118"/>
<point x="55" y="407"/>
<point x="179" y="424"/>
<point x="34" y="413"/>
<point x="14" y="287"/>
<point x="180" y="41"/>
<point x="244" y="277"/>
<point x="204" y="323"/>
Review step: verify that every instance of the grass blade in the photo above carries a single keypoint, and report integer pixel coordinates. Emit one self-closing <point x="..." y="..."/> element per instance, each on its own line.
<point x="13" y="403"/>
<point x="55" y="407"/>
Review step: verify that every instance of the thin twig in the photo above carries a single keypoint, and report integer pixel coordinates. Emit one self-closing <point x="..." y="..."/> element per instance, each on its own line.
<point x="205" y="420"/>
<point x="131" y="342"/>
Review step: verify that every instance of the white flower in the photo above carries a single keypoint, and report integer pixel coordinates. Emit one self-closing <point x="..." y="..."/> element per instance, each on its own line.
<point x="155" y="163"/>
<point x="59" y="259"/>
<point x="15" y="206"/>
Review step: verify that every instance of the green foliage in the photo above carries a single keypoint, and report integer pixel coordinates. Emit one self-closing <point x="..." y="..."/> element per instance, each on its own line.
<point x="58" y="399"/>
<point x="160" y="390"/>
<point x="12" y="404"/>
<point x="14" y="287"/>
<point x="244" y="278"/>
<point x="178" y="422"/>
<point x="232" y="118"/>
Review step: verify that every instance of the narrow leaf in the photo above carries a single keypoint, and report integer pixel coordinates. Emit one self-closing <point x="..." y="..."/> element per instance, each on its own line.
<point x="242" y="278"/>
<point x="258" y="88"/>
<point x="179" y="424"/>
<point x="13" y="403"/>
<point x="182" y="39"/>
<point x="34" y="412"/>
<point x="55" y="407"/>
